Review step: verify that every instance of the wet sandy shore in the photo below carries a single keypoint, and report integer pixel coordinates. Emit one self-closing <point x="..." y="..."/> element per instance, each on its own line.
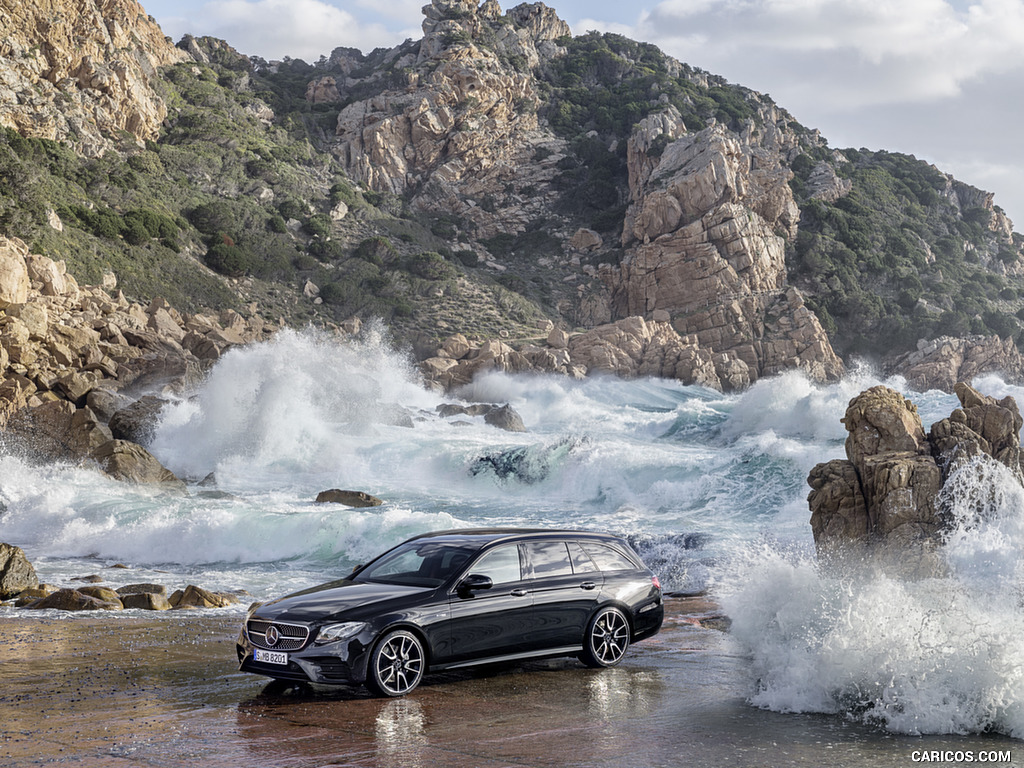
<point x="164" y="691"/>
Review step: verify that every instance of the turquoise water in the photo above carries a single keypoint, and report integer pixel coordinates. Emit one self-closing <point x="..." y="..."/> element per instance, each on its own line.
<point x="711" y="489"/>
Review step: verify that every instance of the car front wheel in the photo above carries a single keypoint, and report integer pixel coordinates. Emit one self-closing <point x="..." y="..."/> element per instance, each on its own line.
<point x="606" y="640"/>
<point x="397" y="664"/>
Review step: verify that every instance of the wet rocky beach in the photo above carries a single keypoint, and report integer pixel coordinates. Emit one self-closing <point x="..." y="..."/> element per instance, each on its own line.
<point x="164" y="691"/>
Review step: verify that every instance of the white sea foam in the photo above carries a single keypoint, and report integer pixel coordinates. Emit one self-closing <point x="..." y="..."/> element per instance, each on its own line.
<point x="937" y="655"/>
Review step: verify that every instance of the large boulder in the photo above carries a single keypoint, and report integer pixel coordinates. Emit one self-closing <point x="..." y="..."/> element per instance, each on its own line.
<point x="73" y="600"/>
<point x="880" y="420"/>
<point x="505" y="418"/>
<point x="137" y="422"/>
<point x="146" y="601"/>
<point x="16" y="572"/>
<point x="839" y="513"/>
<point x="197" y="597"/>
<point x="348" y="498"/>
<point x="130" y="462"/>
<point x="883" y="500"/>
<point x="982" y="425"/>
<point x="14" y="281"/>
<point x="57" y="431"/>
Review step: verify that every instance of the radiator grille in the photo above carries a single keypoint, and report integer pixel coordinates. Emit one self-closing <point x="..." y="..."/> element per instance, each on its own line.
<point x="290" y="637"/>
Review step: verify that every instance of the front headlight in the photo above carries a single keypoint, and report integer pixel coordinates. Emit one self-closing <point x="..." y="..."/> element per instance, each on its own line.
<point x="334" y="632"/>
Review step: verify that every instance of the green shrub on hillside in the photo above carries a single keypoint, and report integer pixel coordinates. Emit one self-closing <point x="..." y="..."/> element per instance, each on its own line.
<point x="870" y="257"/>
<point x="431" y="266"/>
<point x="227" y="259"/>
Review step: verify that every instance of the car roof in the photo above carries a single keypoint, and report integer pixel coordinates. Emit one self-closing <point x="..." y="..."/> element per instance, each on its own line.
<point x="488" y="535"/>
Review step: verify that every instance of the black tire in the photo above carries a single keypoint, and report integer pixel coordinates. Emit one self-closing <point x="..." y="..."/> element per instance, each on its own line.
<point x="607" y="638"/>
<point x="397" y="664"/>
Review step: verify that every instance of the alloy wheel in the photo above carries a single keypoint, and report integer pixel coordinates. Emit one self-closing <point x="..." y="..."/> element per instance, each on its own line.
<point x="397" y="664"/>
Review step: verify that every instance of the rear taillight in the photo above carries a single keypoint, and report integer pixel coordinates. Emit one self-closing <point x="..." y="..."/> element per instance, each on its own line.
<point x="656" y="583"/>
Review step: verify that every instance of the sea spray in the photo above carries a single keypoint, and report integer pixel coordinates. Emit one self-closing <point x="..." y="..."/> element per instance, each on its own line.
<point x="935" y="655"/>
<point x="279" y="421"/>
<point x="297" y="404"/>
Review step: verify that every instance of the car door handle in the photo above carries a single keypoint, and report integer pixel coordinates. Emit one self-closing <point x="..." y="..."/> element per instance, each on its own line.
<point x="588" y="585"/>
<point x="518" y="593"/>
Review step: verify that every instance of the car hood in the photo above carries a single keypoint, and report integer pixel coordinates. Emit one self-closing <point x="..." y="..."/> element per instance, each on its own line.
<point x="327" y="601"/>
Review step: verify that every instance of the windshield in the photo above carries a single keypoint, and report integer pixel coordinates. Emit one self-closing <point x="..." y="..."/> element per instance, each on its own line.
<point x="419" y="563"/>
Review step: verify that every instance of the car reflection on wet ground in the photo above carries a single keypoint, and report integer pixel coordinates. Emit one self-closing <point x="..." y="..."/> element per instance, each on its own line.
<point x="121" y="690"/>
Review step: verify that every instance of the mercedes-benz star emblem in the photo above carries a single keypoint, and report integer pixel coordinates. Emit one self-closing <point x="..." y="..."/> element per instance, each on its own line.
<point x="273" y="636"/>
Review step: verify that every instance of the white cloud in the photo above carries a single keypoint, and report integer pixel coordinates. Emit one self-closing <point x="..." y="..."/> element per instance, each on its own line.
<point x="850" y="52"/>
<point x="273" y="29"/>
<point x="401" y="10"/>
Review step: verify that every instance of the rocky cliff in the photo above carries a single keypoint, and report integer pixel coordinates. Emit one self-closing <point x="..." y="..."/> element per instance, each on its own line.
<point x="706" y="233"/>
<point x="82" y="72"/>
<point x="709" y="212"/>
<point x="462" y="127"/>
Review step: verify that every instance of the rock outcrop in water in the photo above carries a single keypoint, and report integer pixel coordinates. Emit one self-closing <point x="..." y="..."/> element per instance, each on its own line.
<point x="884" y="499"/>
<point x="16" y="572"/>
<point x="628" y="348"/>
<point x="942" y="362"/>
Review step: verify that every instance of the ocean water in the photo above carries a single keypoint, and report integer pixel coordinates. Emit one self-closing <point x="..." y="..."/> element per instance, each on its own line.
<point x="710" y="488"/>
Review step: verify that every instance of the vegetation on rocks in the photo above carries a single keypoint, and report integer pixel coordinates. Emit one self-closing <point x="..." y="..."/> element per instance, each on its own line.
<point x="901" y="258"/>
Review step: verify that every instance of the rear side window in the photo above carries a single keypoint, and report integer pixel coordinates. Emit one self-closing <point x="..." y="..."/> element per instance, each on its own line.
<point x="549" y="558"/>
<point x="607" y="558"/>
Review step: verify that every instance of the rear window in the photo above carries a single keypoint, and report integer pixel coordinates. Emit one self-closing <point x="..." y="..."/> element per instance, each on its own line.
<point x="608" y="558"/>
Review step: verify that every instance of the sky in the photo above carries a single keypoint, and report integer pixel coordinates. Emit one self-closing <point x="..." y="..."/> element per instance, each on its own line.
<point x="938" y="79"/>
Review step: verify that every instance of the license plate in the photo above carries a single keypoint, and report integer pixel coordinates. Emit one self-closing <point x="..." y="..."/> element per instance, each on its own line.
<point x="269" y="657"/>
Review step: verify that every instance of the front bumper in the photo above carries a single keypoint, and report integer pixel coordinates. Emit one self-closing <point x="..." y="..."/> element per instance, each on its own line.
<point x="338" y="663"/>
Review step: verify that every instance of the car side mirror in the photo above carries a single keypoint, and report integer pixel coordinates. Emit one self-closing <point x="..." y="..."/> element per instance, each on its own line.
<point x="475" y="582"/>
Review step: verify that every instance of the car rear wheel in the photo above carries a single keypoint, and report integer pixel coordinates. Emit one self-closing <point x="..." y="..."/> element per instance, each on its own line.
<point x="396" y="665"/>
<point x="606" y="640"/>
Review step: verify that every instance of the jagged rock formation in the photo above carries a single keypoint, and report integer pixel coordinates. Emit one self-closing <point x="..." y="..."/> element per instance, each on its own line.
<point x="703" y="228"/>
<point x="942" y="362"/>
<point x="73" y="357"/>
<point x="708" y="213"/>
<point x="464" y="125"/>
<point x="965" y="197"/>
<point x="629" y="348"/>
<point x="479" y="126"/>
<point x="883" y="501"/>
<point x="81" y="72"/>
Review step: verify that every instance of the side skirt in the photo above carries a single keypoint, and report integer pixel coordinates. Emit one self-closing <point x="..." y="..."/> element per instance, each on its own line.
<point x="549" y="653"/>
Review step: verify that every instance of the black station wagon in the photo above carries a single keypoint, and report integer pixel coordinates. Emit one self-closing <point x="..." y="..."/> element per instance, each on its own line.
<point x="456" y="599"/>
